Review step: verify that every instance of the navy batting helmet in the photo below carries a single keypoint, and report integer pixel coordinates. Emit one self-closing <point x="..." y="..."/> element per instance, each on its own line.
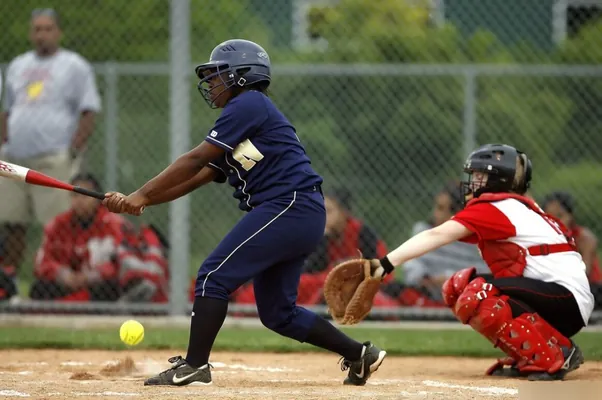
<point x="238" y="63"/>
<point x="499" y="161"/>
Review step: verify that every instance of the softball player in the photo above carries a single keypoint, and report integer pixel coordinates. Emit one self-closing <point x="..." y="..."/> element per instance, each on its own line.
<point x="539" y="295"/>
<point x="255" y="148"/>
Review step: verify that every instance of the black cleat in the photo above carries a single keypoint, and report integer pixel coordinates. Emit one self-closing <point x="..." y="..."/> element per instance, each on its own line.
<point x="360" y="371"/>
<point x="181" y="374"/>
<point x="573" y="359"/>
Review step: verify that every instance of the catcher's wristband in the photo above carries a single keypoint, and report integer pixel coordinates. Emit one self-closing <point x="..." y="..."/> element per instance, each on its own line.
<point x="386" y="264"/>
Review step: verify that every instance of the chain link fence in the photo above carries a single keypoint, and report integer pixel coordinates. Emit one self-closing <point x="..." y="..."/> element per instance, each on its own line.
<point x="388" y="97"/>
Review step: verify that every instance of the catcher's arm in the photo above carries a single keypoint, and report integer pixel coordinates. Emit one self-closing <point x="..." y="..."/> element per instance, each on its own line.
<point x="420" y="244"/>
<point x="350" y="287"/>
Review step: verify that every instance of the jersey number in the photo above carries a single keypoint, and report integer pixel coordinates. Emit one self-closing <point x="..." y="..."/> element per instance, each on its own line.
<point x="247" y="155"/>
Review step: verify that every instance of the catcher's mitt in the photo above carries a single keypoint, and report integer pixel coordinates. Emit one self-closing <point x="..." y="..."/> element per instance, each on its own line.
<point x="349" y="291"/>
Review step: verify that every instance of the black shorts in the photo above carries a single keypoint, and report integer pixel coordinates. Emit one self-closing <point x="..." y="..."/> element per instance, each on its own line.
<point x="553" y="302"/>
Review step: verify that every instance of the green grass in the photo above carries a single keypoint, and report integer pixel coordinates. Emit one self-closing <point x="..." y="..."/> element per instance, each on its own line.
<point x="395" y="341"/>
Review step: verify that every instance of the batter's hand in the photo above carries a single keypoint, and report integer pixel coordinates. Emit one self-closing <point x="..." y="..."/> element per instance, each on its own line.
<point x="119" y="203"/>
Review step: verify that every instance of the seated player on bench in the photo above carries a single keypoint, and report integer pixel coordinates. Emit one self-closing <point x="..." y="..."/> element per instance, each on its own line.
<point x="91" y="254"/>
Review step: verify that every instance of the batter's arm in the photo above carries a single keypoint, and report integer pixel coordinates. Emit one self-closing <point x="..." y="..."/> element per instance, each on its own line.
<point x="185" y="168"/>
<point x="205" y="176"/>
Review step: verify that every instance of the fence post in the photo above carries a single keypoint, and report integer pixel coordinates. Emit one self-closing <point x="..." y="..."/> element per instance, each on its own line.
<point x="470" y="110"/>
<point x="179" y="112"/>
<point x="111" y="126"/>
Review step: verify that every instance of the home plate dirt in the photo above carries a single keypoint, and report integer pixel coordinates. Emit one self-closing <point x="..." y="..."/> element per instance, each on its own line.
<point x="69" y="374"/>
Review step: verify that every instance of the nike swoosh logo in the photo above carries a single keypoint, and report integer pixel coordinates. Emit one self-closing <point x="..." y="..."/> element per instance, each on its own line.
<point x="176" y="380"/>
<point x="361" y="376"/>
<point x="568" y="360"/>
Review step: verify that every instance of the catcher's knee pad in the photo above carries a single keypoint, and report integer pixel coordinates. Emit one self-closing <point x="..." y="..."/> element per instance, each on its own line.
<point x="528" y="339"/>
<point x="472" y="297"/>
<point x="456" y="284"/>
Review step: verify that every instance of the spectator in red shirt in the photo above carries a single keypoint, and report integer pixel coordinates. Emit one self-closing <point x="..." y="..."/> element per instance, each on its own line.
<point x="91" y="254"/>
<point x="147" y="280"/>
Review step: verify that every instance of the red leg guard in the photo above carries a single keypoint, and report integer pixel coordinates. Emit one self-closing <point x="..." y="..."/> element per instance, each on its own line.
<point x="532" y="340"/>
<point x="472" y="296"/>
<point x="528" y="339"/>
<point x="455" y="285"/>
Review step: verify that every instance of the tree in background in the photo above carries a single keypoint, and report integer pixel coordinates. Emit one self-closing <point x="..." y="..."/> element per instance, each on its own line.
<point x="134" y="31"/>
<point x="345" y="120"/>
<point x="423" y="116"/>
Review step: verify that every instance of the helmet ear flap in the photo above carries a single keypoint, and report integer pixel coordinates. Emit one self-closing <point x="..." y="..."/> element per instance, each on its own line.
<point x="528" y="172"/>
<point x="239" y="76"/>
<point x="522" y="182"/>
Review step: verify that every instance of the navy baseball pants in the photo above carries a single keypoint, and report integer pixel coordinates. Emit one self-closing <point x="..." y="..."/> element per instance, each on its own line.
<point x="269" y="245"/>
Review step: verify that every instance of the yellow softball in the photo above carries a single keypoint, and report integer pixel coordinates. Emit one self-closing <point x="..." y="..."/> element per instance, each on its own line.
<point x="131" y="332"/>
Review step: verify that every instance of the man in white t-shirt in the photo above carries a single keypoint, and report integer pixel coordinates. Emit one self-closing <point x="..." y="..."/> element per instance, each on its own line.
<point x="50" y="101"/>
<point x="539" y="296"/>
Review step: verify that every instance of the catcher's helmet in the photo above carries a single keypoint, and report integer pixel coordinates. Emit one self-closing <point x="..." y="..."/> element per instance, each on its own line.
<point x="238" y="62"/>
<point x="499" y="162"/>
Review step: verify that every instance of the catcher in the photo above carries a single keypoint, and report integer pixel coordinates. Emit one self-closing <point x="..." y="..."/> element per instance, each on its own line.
<point x="539" y="295"/>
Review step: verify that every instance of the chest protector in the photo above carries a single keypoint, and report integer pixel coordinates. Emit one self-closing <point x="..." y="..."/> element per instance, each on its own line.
<point x="507" y="259"/>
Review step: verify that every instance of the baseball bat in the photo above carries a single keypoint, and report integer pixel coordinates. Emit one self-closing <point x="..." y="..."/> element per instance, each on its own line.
<point x="33" y="177"/>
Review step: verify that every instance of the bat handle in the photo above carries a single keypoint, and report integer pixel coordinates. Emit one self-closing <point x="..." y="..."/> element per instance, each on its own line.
<point x="87" y="192"/>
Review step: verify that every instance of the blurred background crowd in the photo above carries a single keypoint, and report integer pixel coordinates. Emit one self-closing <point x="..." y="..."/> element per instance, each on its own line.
<point x="88" y="97"/>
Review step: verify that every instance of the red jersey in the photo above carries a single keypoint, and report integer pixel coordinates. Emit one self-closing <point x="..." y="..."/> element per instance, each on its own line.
<point x="109" y="245"/>
<point x="517" y="239"/>
<point x="154" y="265"/>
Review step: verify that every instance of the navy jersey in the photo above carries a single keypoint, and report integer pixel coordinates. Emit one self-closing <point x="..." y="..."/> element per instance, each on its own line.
<point x="264" y="158"/>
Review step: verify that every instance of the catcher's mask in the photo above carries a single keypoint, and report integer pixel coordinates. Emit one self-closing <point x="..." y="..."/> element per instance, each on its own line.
<point x="238" y="63"/>
<point x="496" y="168"/>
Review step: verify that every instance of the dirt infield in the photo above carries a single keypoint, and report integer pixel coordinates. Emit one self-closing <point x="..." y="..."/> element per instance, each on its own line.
<point x="64" y="374"/>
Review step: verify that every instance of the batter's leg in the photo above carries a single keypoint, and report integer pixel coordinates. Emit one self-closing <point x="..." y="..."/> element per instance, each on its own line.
<point x="276" y="295"/>
<point x="265" y="237"/>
